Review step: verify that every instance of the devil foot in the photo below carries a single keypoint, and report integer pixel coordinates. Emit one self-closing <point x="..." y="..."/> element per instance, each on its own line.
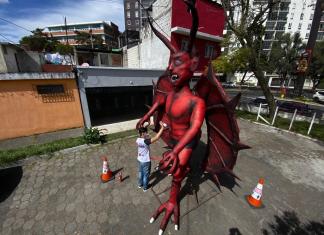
<point x="169" y="208"/>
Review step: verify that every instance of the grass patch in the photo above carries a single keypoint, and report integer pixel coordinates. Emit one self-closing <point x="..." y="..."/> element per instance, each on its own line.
<point x="303" y="99"/>
<point x="7" y="156"/>
<point x="300" y="127"/>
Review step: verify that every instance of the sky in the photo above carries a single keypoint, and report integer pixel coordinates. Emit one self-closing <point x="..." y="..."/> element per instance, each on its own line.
<point x="31" y="14"/>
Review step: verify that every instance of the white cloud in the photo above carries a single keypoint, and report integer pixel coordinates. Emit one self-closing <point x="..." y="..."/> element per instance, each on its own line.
<point x="83" y="11"/>
<point x="4" y="1"/>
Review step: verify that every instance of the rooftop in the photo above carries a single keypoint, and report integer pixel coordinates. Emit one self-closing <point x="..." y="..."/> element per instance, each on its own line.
<point x="82" y="23"/>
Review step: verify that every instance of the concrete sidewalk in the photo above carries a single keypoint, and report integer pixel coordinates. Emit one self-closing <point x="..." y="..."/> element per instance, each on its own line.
<point x="62" y="194"/>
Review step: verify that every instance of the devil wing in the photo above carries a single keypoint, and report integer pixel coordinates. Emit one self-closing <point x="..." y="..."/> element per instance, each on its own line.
<point x="223" y="141"/>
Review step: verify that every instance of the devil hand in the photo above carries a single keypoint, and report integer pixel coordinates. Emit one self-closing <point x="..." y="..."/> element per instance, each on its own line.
<point x="169" y="160"/>
<point x="143" y="120"/>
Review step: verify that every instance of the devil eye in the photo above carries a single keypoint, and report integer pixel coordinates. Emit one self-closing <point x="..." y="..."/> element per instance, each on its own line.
<point x="177" y="62"/>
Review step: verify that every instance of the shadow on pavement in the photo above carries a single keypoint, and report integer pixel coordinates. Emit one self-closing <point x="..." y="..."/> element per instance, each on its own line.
<point x="196" y="175"/>
<point x="9" y="179"/>
<point x="289" y="223"/>
<point x="234" y="231"/>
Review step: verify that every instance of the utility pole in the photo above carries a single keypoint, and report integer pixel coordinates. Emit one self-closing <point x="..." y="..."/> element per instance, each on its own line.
<point x="90" y="31"/>
<point x="66" y="33"/>
<point x="306" y="57"/>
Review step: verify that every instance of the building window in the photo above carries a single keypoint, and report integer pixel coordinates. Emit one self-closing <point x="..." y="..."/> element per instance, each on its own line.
<point x="136" y="14"/>
<point x="268" y="35"/>
<point x="184" y="45"/>
<point x="270" y="25"/>
<point x="136" y="5"/>
<point x="309" y="26"/>
<point x="294" y="5"/>
<point x="129" y="22"/>
<point x="137" y="22"/>
<point x="307" y="35"/>
<point x="282" y="16"/>
<point x="299" y="26"/>
<point x="321" y="27"/>
<point x="289" y="25"/>
<point x="50" y="89"/>
<point x="266" y="45"/>
<point x="128" y="14"/>
<point x="301" y="16"/>
<point x="209" y="51"/>
<point x="127" y="5"/>
<point x="292" y="16"/>
<point x="280" y="25"/>
<point x="320" y="36"/>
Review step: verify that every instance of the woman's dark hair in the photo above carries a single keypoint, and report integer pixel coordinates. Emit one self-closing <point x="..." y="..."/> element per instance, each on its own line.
<point x="142" y="130"/>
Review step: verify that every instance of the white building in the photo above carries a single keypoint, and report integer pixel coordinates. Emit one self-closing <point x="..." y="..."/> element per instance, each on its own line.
<point x="290" y="16"/>
<point x="142" y="56"/>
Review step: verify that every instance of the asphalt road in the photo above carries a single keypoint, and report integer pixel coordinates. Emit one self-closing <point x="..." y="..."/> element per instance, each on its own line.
<point x="249" y="95"/>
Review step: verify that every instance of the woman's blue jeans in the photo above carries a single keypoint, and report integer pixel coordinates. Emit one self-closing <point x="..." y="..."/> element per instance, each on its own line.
<point x="144" y="170"/>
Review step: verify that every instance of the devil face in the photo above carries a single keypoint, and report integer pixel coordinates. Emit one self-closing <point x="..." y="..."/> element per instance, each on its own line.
<point x="180" y="68"/>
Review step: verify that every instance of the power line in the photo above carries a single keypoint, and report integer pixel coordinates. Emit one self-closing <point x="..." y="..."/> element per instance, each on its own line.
<point x="10" y="22"/>
<point x="151" y="17"/>
<point x="11" y="42"/>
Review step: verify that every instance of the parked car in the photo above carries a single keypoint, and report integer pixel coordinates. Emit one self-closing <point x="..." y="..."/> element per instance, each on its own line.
<point x="260" y="100"/>
<point x="229" y="85"/>
<point x="318" y="96"/>
<point x="291" y="106"/>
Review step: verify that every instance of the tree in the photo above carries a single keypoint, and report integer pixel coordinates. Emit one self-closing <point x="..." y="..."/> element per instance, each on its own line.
<point x="316" y="67"/>
<point x="284" y="54"/>
<point x="64" y="49"/>
<point x="35" y="42"/>
<point x="40" y="41"/>
<point x="249" y="30"/>
<point x="236" y="61"/>
<point x="88" y="39"/>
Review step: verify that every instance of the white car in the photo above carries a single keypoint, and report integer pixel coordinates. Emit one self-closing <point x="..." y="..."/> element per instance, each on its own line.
<point x="318" y="96"/>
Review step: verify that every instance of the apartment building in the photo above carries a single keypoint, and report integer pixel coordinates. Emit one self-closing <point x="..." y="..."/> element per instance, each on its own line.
<point x="289" y="16"/>
<point x="134" y="14"/>
<point x="108" y="31"/>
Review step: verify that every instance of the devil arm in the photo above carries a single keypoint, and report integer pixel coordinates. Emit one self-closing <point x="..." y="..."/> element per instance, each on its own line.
<point x="196" y="121"/>
<point x="149" y="114"/>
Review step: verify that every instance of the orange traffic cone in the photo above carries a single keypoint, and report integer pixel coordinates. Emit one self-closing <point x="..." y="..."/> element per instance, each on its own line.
<point x="106" y="172"/>
<point x="255" y="198"/>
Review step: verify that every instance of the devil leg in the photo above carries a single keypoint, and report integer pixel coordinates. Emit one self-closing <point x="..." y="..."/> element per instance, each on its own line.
<point x="172" y="205"/>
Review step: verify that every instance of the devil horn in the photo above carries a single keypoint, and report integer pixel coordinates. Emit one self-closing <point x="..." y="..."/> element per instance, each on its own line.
<point x="161" y="37"/>
<point x="195" y="23"/>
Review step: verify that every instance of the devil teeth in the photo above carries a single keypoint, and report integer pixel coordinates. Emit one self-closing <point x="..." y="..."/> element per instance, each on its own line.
<point x="174" y="77"/>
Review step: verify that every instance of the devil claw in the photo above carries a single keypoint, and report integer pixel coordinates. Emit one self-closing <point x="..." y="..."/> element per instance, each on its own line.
<point x="160" y="232"/>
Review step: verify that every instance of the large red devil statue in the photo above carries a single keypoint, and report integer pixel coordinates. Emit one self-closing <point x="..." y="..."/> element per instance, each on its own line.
<point x="184" y="111"/>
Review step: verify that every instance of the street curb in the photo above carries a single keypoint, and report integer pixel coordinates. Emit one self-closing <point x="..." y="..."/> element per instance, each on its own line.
<point x="284" y="131"/>
<point x="31" y="159"/>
